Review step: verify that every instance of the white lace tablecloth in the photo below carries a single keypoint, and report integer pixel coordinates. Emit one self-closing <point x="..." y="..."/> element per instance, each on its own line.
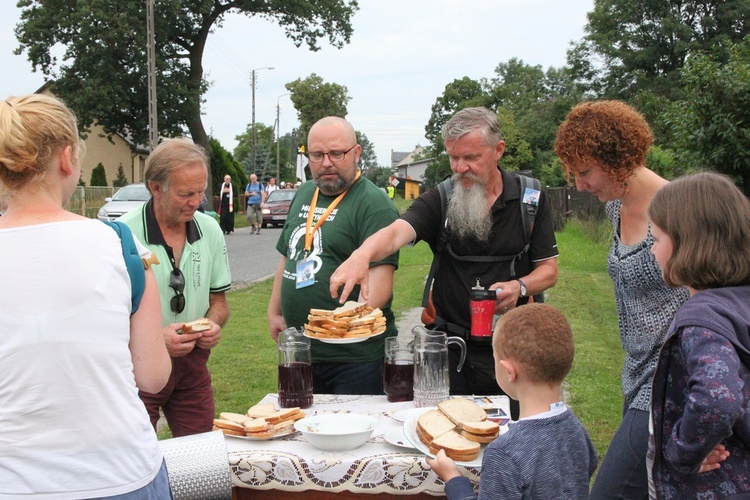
<point x="291" y="464"/>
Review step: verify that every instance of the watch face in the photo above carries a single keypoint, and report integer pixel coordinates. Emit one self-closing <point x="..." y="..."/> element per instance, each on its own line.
<point x="523" y="288"/>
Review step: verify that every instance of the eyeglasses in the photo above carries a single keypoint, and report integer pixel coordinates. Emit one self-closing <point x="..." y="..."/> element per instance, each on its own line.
<point x="177" y="283"/>
<point x="317" y="156"/>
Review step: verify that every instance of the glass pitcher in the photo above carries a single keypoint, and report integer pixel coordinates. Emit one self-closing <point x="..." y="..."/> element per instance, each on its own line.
<point x="431" y="371"/>
<point x="295" y="370"/>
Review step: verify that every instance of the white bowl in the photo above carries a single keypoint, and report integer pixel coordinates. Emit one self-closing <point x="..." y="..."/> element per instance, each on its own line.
<point x="337" y="431"/>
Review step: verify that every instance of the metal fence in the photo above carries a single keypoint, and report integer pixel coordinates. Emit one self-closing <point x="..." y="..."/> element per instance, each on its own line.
<point x="87" y="200"/>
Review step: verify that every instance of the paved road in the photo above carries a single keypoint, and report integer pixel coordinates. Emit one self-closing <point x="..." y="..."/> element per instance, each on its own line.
<point x="252" y="257"/>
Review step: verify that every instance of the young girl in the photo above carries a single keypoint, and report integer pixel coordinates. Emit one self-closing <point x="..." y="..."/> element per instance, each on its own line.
<point x="701" y="388"/>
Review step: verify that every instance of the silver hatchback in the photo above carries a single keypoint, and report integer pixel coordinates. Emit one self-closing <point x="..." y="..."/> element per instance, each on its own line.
<point x="127" y="198"/>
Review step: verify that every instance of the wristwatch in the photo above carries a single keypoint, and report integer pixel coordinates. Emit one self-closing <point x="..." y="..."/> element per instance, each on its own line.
<point x="523" y="288"/>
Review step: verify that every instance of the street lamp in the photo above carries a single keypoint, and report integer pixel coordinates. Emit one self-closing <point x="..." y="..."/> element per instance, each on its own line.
<point x="253" y="80"/>
<point x="278" y="136"/>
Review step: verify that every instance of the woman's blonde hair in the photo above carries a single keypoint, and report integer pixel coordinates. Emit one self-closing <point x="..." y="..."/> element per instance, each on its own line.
<point x="708" y="220"/>
<point x="33" y="128"/>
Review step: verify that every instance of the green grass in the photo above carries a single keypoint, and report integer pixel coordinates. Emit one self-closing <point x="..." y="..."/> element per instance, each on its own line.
<point x="244" y="364"/>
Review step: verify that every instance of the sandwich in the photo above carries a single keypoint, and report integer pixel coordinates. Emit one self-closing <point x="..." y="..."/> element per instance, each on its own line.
<point x="198" y="325"/>
<point x="431" y="425"/>
<point x="462" y="410"/>
<point x="483" y="432"/>
<point x="456" y="447"/>
<point x="261" y="410"/>
<point x="229" y="427"/>
<point x="234" y="417"/>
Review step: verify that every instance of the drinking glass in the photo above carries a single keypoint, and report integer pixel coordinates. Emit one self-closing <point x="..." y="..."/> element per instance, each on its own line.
<point x="398" y="371"/>
<point x="295" y="370"/>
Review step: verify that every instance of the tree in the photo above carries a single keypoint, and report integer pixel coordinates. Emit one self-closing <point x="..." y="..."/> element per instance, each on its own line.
<point x="102" y="75"/>
<point x="99" y="175"/>
<point x="265" y="144"/>
<point x="120" y="180"/>
<point x="368" y="159"/>
<point x="712" y="124"/>
<point x="458" y="94"/>
<point x="633" y="45"/>
<point x="315" y="99"/>
<point x="378" y="176"/>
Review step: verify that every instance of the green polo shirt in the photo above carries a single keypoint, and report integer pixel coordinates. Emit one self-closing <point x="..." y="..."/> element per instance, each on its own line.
<point x="204" y="261"/>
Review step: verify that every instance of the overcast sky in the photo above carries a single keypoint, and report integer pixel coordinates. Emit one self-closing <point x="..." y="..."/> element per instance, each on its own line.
<point x="402" y="55"/>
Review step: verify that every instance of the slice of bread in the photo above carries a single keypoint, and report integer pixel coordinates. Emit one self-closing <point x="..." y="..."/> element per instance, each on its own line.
<point x="290" y="414"/>
<point x="462" y="410"/>
<point x="234" y="417"/>
<point x="483" y="428"/>
<point x="230" y="426"/>
<point x="350" y="308"/>
<point x="478" y="438"/>
<point x="433" y="424"/>
<point x="456" y="447"/>
<point x="257" y="425"/>
<point x="261" y="410"/>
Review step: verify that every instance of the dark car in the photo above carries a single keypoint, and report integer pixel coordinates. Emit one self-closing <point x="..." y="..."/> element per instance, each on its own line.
<point x="276" y="207"/>
<point x="126" y="199"/>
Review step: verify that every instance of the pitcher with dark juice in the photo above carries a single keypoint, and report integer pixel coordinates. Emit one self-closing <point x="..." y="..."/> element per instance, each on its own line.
<point x="398" y="371"/>
<point x="295" y="370"/>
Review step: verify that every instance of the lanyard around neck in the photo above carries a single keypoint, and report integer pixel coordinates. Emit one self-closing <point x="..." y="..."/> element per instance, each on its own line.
<point x="310" y="229"/>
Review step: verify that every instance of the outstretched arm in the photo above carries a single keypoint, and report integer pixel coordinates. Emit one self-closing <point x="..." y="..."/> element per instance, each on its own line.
<point x="356" y="269"/>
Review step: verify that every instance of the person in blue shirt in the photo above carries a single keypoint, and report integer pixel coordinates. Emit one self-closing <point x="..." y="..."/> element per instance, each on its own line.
<point x="256" y="195"/>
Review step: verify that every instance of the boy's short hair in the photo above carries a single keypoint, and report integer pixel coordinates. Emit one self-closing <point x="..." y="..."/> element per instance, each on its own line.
<point x="537" y="337"/>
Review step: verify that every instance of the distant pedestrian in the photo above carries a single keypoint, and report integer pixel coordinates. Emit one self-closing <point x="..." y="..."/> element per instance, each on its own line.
<point x="226" y="205"/>
<point x="255" y="197"/>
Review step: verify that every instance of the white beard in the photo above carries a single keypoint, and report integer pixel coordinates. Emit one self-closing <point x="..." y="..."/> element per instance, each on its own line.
<point x="469" y="210"/>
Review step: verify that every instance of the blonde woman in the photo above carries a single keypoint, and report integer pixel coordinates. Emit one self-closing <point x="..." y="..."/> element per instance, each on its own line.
<point x="72" y="355"/>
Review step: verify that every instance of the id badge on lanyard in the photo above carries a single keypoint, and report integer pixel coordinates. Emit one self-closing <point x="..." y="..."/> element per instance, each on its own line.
<point x="305" y="273"/>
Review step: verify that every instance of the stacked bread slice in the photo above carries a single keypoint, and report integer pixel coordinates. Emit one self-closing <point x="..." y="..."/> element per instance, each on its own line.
<point x="353" y="319"/>
<point x="261" y="421"/>
<point x="458" y="427"/>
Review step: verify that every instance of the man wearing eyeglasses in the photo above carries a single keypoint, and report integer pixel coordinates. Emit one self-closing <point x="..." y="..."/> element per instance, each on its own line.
<point x="193" y="276"/>
<point x="328" y="219"/>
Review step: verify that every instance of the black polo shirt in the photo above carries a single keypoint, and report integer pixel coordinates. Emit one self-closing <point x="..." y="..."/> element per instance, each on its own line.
<point x="454" y="277"/>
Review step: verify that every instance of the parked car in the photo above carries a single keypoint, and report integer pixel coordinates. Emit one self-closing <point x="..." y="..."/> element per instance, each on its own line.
<point x="127" y="198"/>
<point x="276" y="207"/>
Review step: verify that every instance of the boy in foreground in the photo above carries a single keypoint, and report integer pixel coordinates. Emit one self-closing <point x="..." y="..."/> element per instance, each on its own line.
<point x="547" y="452"/>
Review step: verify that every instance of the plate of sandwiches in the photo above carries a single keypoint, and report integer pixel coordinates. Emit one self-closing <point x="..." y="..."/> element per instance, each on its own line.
<point x="353" y="322"/>
<point x="459" y="426"/>
<point x="261" y="422"/>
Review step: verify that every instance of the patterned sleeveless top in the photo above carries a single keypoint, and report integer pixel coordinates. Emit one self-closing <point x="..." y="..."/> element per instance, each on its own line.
<point x="645" y="308"/>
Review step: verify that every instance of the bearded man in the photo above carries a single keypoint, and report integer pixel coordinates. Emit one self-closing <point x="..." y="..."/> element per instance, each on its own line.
<point x="483" y="220"/>
<point x="329" y="218"/>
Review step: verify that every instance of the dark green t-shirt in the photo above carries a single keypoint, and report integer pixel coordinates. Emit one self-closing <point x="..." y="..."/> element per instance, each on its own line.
<point x="362" y="212"/>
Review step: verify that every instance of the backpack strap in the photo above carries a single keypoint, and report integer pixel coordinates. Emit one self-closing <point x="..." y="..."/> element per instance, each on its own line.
<point x="133" y="263"/>
<point x="444" y="188"/>
<point x="528" y="205"/>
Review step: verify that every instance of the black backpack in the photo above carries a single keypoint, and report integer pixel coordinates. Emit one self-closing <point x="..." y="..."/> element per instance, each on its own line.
<point x="528" y="214"/>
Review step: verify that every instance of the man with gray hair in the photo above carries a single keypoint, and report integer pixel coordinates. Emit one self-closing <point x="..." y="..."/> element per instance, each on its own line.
<point x="483" y="240"/>
<point x="193" y="277"/>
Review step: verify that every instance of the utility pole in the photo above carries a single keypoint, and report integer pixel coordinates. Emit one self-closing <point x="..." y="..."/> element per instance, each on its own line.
<point x="255" y="157"/>
<point x="278" y="138"/>
<point x="153" y="131"/>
